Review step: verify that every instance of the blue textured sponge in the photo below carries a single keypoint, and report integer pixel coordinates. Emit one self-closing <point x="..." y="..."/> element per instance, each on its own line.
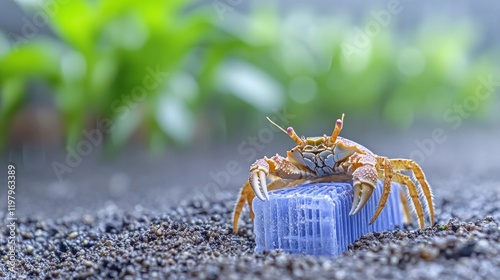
<point x="314" y="218"/>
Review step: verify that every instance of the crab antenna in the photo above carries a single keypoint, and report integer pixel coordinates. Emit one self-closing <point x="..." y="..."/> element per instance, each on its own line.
<point x="338" y="128"/>
<point x="290" y="133"/>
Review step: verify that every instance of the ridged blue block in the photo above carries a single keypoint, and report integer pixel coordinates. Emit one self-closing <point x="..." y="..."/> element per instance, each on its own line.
<point x="314" y="218"/>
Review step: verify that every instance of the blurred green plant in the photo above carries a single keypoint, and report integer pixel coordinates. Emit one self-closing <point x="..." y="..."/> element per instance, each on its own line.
<point x="181" y="71"/>
<point x="112" y="59"/>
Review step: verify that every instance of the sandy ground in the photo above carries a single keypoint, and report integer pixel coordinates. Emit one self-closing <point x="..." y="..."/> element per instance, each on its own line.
<point x="169" y="216"/>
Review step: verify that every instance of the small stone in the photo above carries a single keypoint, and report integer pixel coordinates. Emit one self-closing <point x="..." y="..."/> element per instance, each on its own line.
<point x="482" y="246"/>
<point x="370" y="256"/>
<point x="240" y="267"/>
<point x="451" y="241"/>
<point x="429" y="253"/>
<point x="87" y="263"/>
<point x="88" y="219"/>
<point x="131" y="270"/>
<point x="327" y="265"/>
<point x="394" y="260"/>
<point x="340" y="274"/>
<point x="401" y="234"/>
<point x="72" y="235"/>
<point x="281" y="260"/>
<point x="29" y="249"/>
<point x="440" y="243"/>
<point x="213" y="271"/>
<point x="159" y="232"/>
<point x="185" y="255"/>
<point x="85" y="275"/>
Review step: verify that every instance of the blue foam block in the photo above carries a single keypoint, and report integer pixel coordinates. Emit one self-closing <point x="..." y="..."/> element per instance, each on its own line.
<point x="314" y="218"/>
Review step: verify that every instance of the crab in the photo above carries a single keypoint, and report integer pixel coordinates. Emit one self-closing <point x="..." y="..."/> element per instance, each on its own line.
<point x="334" y="158"/>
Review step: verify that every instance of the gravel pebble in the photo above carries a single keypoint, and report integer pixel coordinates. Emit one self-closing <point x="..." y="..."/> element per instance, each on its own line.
<point x="72" y="235"/>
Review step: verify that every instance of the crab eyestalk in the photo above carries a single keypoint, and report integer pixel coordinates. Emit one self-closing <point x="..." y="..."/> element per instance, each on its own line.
<point x="295" y="137"/>
<point x="337" y="129"/>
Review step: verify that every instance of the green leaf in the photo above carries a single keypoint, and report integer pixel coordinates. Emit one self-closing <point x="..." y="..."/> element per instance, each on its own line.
<point x="39" y="58"/>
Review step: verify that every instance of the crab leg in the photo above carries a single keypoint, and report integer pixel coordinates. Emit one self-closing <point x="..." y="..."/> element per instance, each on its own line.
<point x="247" y="195"/>
<point x="407" y="164"/>
<point x="412" y="189"/>
<point x="387" y="176"/>
<point x="406" y="207"/>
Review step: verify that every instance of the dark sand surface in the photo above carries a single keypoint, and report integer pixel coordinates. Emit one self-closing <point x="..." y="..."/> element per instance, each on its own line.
<point x="163" y="219"/>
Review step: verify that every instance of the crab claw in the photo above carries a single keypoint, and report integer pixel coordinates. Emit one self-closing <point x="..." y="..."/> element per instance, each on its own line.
<point x="362" y="192"/>
<point x="258" y="182"/>
<point x="258" y="179"/>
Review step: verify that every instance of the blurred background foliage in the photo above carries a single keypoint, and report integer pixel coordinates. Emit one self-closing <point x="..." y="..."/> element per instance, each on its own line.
<point x="220" y="68"/>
